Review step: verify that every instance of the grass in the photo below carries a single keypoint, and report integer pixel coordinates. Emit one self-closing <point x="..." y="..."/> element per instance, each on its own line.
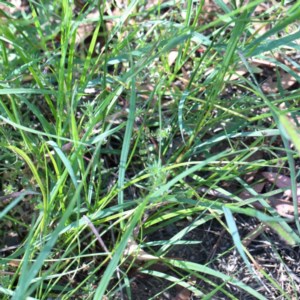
<point x="111" y="136"/>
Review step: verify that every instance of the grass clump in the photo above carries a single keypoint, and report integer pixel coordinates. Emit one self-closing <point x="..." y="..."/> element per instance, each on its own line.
<point x="129" y="134"/>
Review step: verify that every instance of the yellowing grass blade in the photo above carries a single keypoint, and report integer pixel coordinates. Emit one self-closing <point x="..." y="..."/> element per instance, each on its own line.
<point x="34" y="171"/>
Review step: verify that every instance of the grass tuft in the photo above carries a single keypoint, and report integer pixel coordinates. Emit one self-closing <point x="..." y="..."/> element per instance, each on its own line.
<point x="134" y="142"/>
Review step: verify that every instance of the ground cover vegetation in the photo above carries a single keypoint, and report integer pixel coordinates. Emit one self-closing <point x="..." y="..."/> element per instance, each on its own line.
<point x="149" y="149"/>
